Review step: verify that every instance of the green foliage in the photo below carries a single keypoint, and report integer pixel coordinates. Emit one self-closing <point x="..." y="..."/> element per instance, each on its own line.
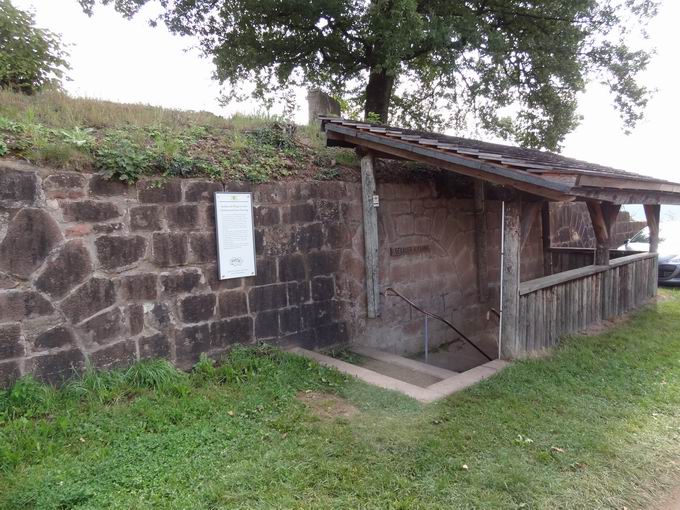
<point x="152" y="374"/>
<point x="431" y="64"/>
<point x="31" y="58"/>
<point x="121" y="158"/>
<point x="595" y="425"/>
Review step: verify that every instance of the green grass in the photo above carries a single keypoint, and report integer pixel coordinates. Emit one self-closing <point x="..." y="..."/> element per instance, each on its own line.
<point x="128" y="141"/>
<point x="597" y="425"/>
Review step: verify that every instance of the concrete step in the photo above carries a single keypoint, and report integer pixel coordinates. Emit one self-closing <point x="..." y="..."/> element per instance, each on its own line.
<point x="431" y="393"/>
<point x="400" y="361"/>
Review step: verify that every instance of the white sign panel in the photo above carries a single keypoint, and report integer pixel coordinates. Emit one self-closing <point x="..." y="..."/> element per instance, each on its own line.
<point x="235" y="235"/>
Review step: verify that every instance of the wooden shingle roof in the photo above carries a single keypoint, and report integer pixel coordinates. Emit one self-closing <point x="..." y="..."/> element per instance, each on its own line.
<point x="538" y="172"/>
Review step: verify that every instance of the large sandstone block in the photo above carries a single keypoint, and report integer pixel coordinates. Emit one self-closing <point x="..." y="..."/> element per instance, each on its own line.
<point x="89" y="211"/>
<point x="59" y="336"/>
<point x="298" y="292"/>
<point x="115" y="252"/>
<point x="267" y="297"/>
<point x="266" y="216"/>
<point x="55" y="368"/>
<point x="18" y="188"/>
<point x="290" y="320"/>
<point x="154" y="347"/>
<point x="138" y="287"/>
<point x="70" y="267"/>
<point x="64" y="185"/>
<point x="292" y="268"/>
<point x="201" y="191"/>
<point x="307" y="237"/>
<point x="266" y="272"/>
<point x="299" y="213"/>
<point x="230" y="331"/>
<point x="159" y="317"/>
<point x="318" y="313"/>
<point x="267" y="325"/>
<point x="211" y="277"/>
<point x="17" y="305"/>
<point x="103" y="327"/>
<point x="7" y="281"/>
<point x="182" y="217"/>
<point x="9" y="372"/>
<point x="170" y="249"/>
<point x="91" y="297"/>
<point x="118" y="355"/>
<point x="198" y="307"/>
<point x="331" y="334"/>
<point x="105" y="187"/>
<point x="203" y="246"/>
<point x="323" y="262"/>
<point x="181" y="282"/>
<point x="190" y="342"/>
<point x="232" y="303"/>
<point x="153" y="192"/>
<point x="31" y="236"/>
<point x="135" y="315"/>
<point x="323" y="288"/>
<point x="10" y="341"/>
<point x="145" y="218"/>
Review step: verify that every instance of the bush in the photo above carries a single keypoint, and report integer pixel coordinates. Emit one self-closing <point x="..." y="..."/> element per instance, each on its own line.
<point x="31" y="58"/>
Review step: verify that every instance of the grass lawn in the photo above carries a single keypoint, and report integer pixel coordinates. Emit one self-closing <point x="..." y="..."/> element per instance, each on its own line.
<point x="597" y="425"/>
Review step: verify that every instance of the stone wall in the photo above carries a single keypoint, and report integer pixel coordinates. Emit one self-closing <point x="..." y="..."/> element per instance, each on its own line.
<point x="427" y="252"/>
<point x="571" y="226"/>
<point x="93" y="269"/>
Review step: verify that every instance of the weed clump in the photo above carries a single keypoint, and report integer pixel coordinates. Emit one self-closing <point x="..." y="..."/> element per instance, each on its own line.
<point x="128" y="142"/>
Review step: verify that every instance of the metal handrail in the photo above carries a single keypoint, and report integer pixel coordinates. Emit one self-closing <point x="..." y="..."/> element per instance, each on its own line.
<point x="437" y="317"/>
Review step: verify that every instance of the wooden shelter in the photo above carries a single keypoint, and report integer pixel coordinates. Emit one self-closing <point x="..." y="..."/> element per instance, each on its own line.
<point x="591" y="285"/>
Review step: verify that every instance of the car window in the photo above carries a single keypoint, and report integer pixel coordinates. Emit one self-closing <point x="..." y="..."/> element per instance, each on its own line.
<point x="641" y="237"/>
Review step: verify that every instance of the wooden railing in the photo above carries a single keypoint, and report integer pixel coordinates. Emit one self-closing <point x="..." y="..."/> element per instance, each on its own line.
<point x="566" y="259"/>
<point x="571" y="301"/>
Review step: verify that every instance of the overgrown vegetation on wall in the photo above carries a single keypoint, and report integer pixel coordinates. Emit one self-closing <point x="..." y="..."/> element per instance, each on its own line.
<point x="127" y="142"/>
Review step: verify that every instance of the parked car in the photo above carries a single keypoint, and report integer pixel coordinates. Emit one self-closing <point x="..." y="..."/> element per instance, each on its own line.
<point x="669" y="250"/>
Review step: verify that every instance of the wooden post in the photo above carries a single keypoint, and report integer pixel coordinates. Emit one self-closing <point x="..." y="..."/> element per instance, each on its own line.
<point x="546" y="234"/>
<point x="509" y="337"/>
<point x="602" y="215"/>
<point x="370" y="214"/>
<point x="653" y="212"/>
<point x="480" y="241"/>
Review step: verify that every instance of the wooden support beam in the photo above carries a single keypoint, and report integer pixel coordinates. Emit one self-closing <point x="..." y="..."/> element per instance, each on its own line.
<point x="530" y="212"/>
<point x="653" y="213"/>
<point x="509" y="336"/>
<point x="547" y="236"/>
<point x="603" y="216"/>
<point x="370" y="214"/>
<point x="480" y="241"/>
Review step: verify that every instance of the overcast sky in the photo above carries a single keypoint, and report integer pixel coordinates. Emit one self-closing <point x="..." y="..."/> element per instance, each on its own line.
<point x="121" y="60"/>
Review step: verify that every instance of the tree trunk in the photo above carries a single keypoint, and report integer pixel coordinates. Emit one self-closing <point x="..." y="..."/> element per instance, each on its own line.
<point x="378" y="94"/>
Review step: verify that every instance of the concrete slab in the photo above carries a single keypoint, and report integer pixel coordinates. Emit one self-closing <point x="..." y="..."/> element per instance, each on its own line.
<point x="398" y="372"/>
<point x="431" y="393"/>
<point x="394" y="359"/>
<point x="366" y="375"/>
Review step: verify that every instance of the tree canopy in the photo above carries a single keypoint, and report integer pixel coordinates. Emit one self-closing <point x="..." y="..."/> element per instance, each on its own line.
<point x="31" y="58"/>
<point x="512" y="67"/>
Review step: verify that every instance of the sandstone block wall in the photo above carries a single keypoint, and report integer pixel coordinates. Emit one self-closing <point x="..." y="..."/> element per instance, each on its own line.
<point x="95" y="270"/>
<point x="427" y="252"/>
<point x="571" y="226"/>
